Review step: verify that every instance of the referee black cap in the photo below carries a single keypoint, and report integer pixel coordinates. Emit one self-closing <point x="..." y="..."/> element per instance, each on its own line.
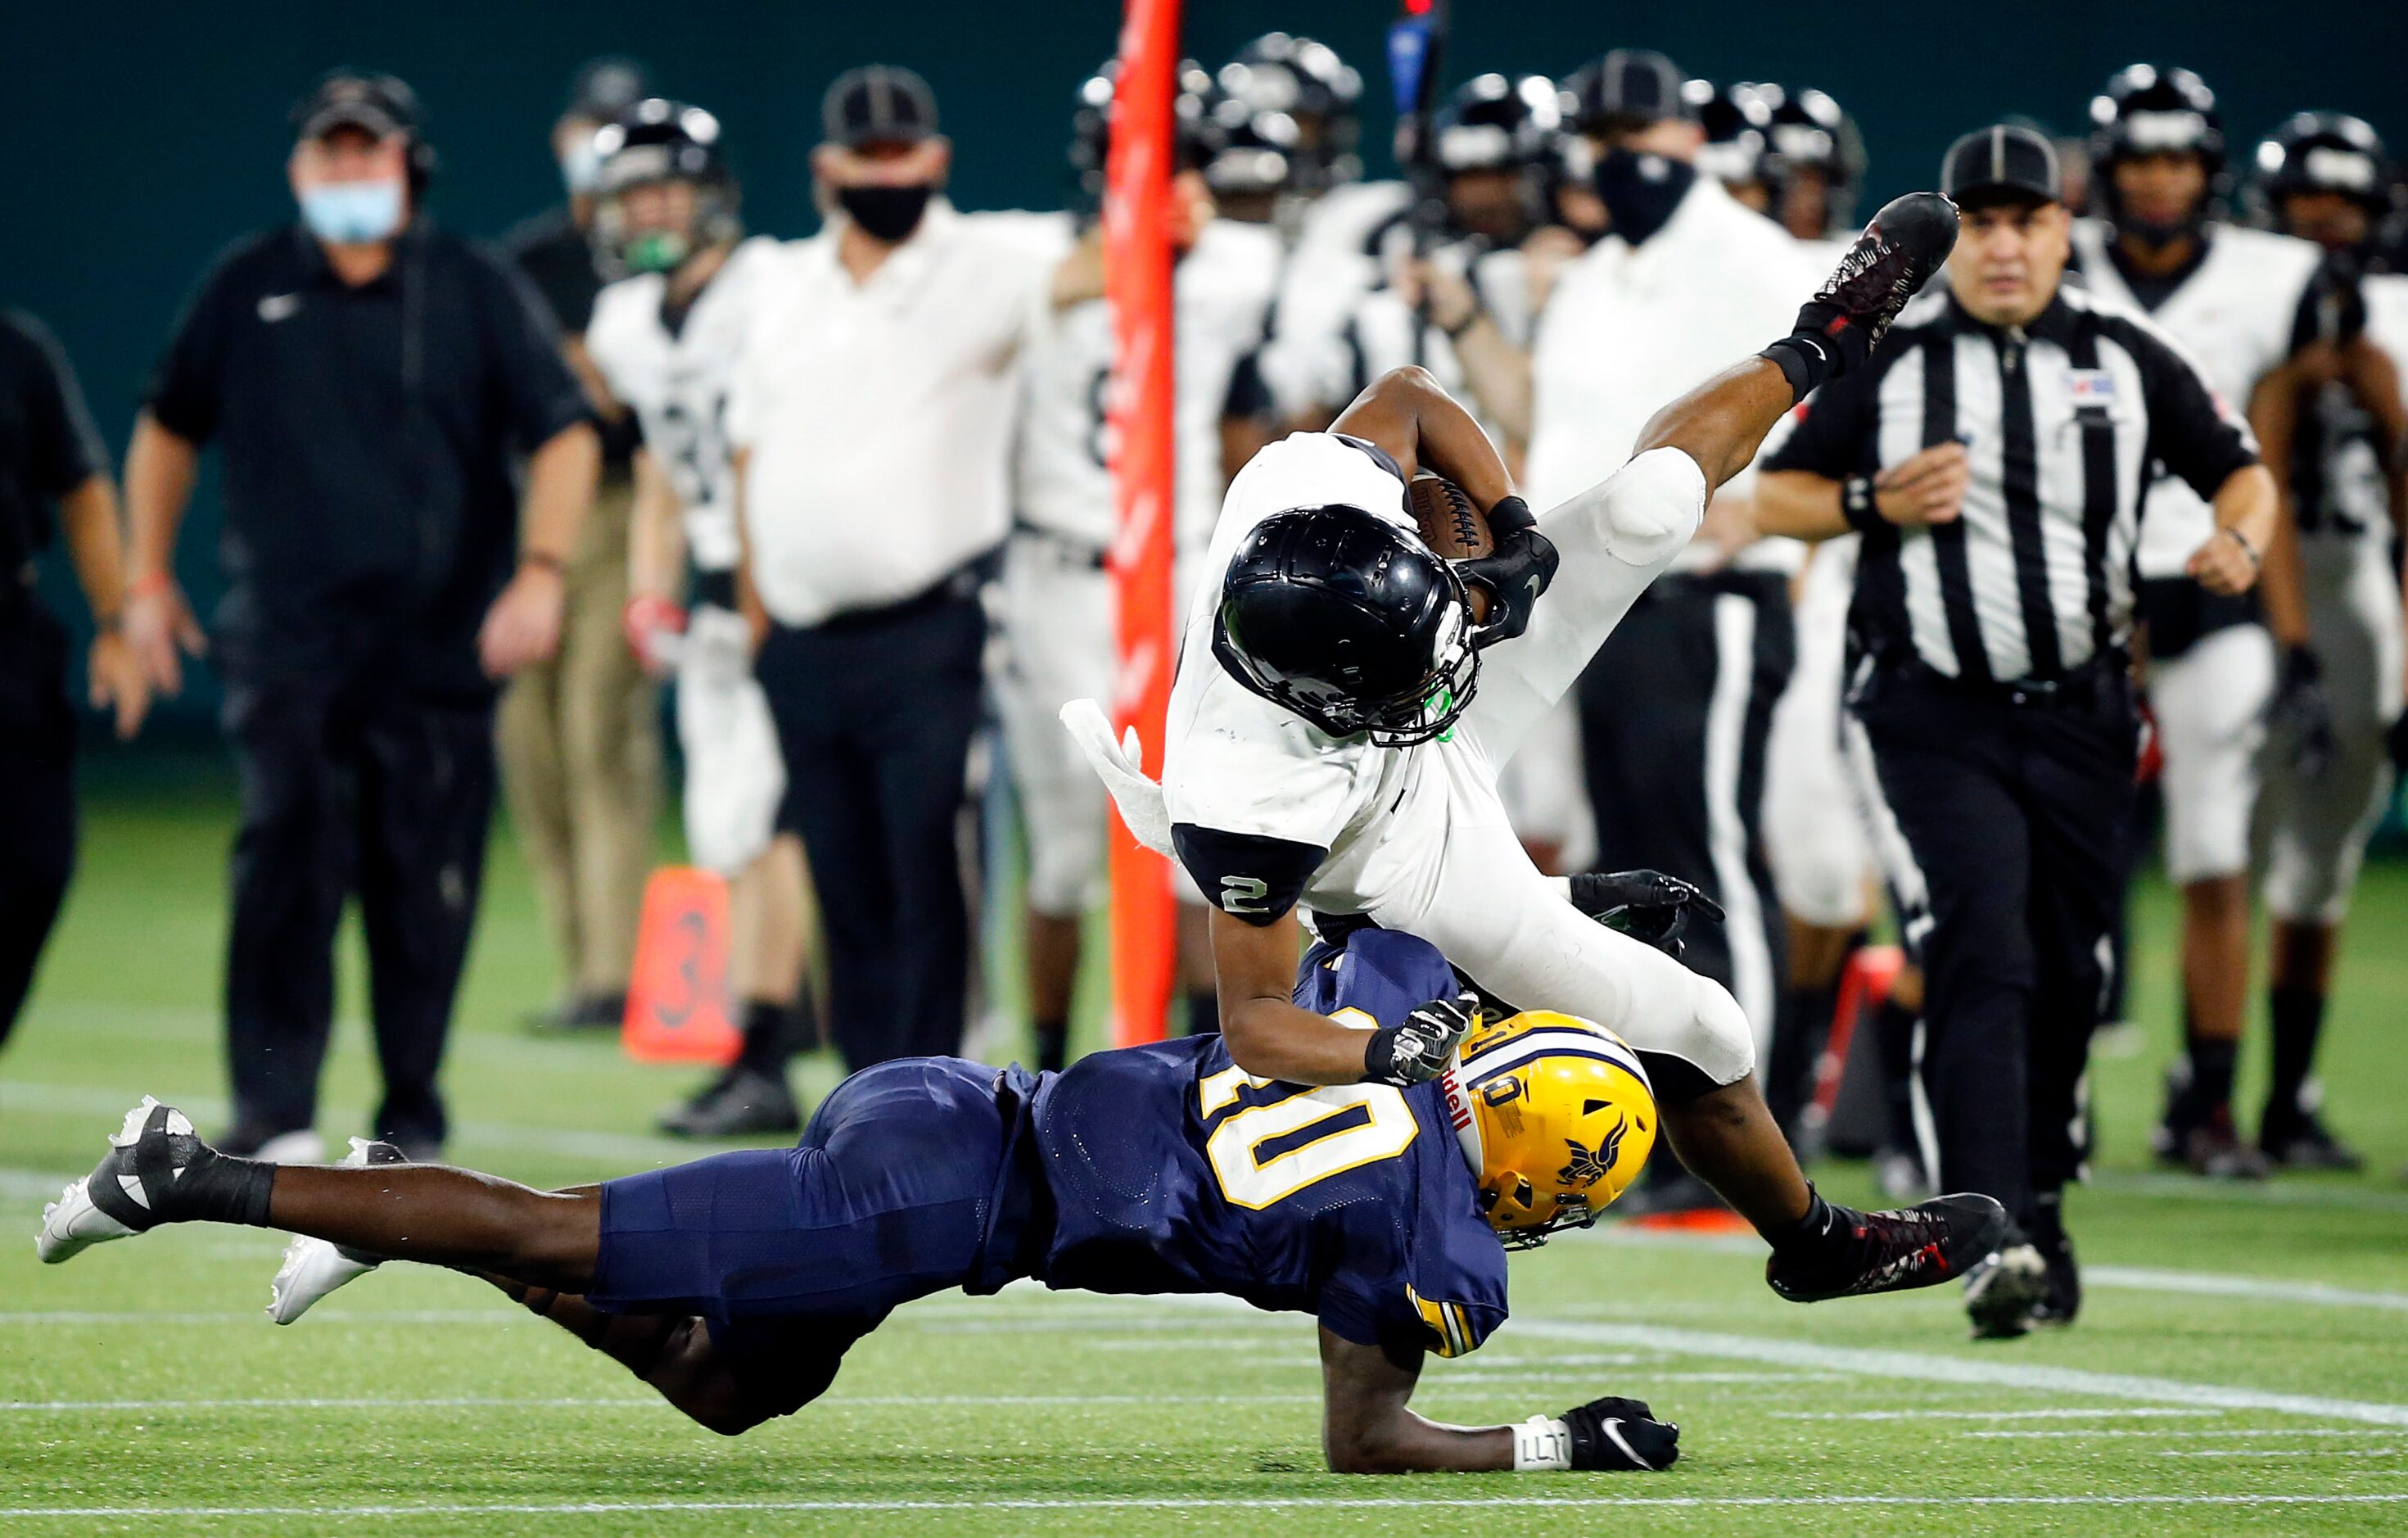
<point x="877" y="104"/>
<point x="1629" y="85"/>
<point x="2006" y="163"/>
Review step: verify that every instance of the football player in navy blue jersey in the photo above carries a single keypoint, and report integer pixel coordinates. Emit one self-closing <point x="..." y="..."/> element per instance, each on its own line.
<point x="734" y="1285"/>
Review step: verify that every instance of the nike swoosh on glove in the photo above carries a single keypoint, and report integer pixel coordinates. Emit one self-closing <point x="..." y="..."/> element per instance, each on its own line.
<point x="1647" y="905"/>
<point x="1522" y="566"/>
<point x="1120" y="767"/>
<point x="1622" y="1435"/>
<point x="1417" y="1048"/>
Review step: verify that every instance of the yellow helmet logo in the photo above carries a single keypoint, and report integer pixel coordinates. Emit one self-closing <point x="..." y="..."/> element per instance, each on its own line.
<point x="1555" y="1117"/>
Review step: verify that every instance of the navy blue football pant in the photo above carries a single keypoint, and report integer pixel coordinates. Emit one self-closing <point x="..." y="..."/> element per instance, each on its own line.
<point x="875" y="712"/>
<point x="359" y="788"/>
<point x="37" y="809"/>
<point x="913" y="1177"/>
<point x="2014" y="815"/>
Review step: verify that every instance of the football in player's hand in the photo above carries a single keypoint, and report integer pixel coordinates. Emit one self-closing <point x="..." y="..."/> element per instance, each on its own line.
<point x="1451" y="525"/>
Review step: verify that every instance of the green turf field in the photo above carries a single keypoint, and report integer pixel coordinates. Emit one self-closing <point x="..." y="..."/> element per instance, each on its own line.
<point x="2243" y="1365"/>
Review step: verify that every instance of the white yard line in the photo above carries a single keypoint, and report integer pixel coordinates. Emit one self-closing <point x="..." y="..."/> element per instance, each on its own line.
<point x="1928" y="1367"/>
<point x="1291" y="1503"/>
<point x="2065" y="1413"/>
<point x="2272" y="1193"/>
<point x="2090" y="1434"/>
<point x="2281" y="1452"/>
<point x="2258" y="1289"/>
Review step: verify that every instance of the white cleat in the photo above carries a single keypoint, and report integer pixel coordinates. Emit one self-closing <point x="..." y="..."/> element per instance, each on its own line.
<point x="75" y="1222"/>
<point x="313" y="1268"/>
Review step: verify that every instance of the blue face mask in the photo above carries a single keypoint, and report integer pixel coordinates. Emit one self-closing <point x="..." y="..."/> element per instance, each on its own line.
<point x="352" y="213"/>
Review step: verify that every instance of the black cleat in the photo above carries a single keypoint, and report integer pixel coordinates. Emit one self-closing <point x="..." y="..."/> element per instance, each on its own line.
<point x="2062" y="1300"/>
<point x="1865" y="1253"/>
<point x="1887" y="265"/>
<point x="742" y="1102"/>
<point x="2300" y="1141"/>
<point x="2005" y="1292"/>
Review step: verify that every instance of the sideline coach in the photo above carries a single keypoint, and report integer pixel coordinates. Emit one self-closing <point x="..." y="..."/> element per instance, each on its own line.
<point x="367" y="378"/>
<point x="1994" y="459"/>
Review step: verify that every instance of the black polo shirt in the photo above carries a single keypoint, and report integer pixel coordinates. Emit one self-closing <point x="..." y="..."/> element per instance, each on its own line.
<point x="556" y="258"/>
<point x="48" y="447"/>
<point x="368" y="436"/>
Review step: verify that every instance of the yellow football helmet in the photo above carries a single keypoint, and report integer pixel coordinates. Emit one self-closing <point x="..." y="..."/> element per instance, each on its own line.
<point x="1555" y="1117"/>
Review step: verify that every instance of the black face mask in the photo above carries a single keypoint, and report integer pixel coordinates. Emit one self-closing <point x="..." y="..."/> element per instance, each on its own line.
<point x="1640" y="191"/>
<point x="886" y="214"/>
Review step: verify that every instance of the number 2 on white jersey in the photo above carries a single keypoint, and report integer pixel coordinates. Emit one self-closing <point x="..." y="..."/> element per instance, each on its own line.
<point x="1266" y="1153"/>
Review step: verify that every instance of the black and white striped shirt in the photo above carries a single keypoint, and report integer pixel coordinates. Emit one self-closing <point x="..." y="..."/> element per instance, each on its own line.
<point x="2066" y="422"/>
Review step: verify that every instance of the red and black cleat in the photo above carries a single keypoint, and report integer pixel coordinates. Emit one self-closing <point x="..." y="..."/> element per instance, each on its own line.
<point x="1886" y="266"/>
<point x="1864" y="1253"/>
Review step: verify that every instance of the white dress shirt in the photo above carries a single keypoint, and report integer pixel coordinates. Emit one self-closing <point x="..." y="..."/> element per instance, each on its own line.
<point x="878" y="414"/>
<point x="1628" y="329"/>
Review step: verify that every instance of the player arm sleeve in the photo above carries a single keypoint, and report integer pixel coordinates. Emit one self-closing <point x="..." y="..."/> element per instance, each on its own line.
<point x="66" y="448"/>
<point x="540" y="394"/>
<point x="1248" y="876"/>
<point x="2192" y="431"/>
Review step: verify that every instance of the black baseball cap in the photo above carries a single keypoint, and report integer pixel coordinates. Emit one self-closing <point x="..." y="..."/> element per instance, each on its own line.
<point x="1637" y="84"/>
<point x="605" y="87"/>
<point x="379" y="105"/>
<point x="877" y="104"/>
<point x="2005" y="163"/>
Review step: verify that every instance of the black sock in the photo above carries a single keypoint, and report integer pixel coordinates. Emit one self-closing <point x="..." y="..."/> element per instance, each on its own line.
<point x="1203" y="1012"/>
<point x="803" y="1025"/>
<point x="2211" y="1077"/>
<point x="1812" y="1231"/>
<point x="2299" y="1018"/>
<point x="1894" y="1034"/>
<point x="220" y="1188"/>
<point x="765" y="1038"/>
<point x="1053" y="1046"/>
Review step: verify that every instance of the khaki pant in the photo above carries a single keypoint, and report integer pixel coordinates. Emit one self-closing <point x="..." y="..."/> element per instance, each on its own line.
<point x="580" y="744"/>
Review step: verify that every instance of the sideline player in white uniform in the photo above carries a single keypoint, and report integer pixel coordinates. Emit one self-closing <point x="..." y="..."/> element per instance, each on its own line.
<point x="1337" y="722"/>
<point x="2336" y="433"/>
<point x="1056" y="595"/>
<point x="666" y="340"/>
<point x="2229" y="296"/>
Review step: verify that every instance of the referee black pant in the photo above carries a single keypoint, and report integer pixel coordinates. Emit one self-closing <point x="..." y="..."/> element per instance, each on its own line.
<point x="37" y="809"/>
<point x="357" y="784"/>
<point x="1675" y="713"/>
<point x="875" y="712"/>
<point x="2014" y="807"/>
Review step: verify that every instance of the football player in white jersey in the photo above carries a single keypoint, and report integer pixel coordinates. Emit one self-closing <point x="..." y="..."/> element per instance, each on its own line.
<point x="1343" y="705"/>
<point x="1056" y="597"/>
<point x="665" y="338"/>
<point x="1300" y="93"/>
<point x="2336" y="433"/>
<point x="2228" y="295"/>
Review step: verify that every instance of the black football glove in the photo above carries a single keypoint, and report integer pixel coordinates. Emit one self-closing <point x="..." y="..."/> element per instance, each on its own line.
<point x="1647" y="905"/>
<point x="1622" y="1435"/>
<point x="1414" y="1050"/>
<point x="1515" y="574"/>
<point x="2301" y="715"/>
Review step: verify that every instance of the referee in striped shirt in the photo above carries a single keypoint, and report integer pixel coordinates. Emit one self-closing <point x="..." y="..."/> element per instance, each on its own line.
<point x="1993" y="458"/>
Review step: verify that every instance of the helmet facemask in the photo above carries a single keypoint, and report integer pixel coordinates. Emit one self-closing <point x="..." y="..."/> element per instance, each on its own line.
<point x="1555" y="1116"/>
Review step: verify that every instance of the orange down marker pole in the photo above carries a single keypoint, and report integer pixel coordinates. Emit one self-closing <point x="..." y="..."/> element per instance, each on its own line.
<point x="1137" y="281"/>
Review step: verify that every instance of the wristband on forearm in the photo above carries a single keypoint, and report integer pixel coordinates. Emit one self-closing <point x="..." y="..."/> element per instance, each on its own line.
<point x="1510" y="516"/>
<point x="1857" y="504"/>
<point x="2242" y="540"/>
<point x="1541" y="1444"/>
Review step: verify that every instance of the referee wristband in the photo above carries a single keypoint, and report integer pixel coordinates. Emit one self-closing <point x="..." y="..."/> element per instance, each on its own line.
<point x="1857" y="504"/>
<point x="1541" y="1444"/>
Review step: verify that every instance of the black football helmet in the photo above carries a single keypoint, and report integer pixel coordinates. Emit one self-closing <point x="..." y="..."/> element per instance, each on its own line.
<point x="1497" y="123"/>
<point x="1737" y="123"/>
<point x="1810" y="133"/>
<point x="2146" y="110"/>
<point x="659" y="140"/>
<point x="1352" y="622"/>
<point x="1316" y="90"/>
<point x="1199" y="137"/>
